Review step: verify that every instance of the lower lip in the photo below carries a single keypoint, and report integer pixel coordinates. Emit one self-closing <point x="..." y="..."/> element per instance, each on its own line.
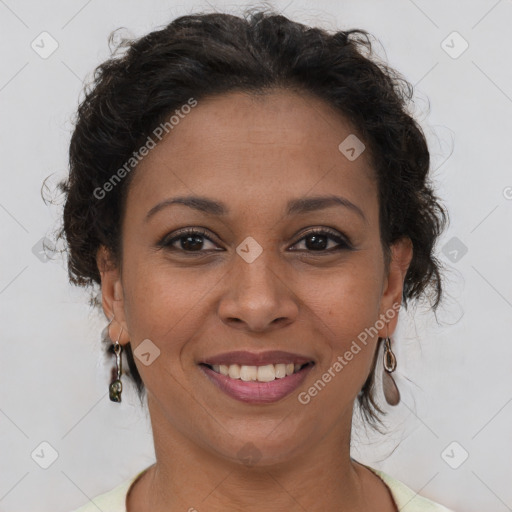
<point x="257" y="392"/>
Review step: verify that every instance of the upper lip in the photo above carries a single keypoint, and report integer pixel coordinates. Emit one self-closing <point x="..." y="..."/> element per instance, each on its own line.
<point x="243" y="357"/>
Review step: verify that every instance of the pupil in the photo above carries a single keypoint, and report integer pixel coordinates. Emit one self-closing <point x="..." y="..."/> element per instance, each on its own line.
<point x="319" y="242"/>
<point x="192" y="242"/>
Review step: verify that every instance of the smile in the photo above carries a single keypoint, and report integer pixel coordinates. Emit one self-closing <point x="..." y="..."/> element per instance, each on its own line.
<point x="265" y="373"/>
<point x="257" y="384"/>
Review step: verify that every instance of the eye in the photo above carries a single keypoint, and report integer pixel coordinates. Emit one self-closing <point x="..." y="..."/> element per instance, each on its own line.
<point x="318" y="241"/>
<point x="187" y="240"/>
<point x="193" y="240"/>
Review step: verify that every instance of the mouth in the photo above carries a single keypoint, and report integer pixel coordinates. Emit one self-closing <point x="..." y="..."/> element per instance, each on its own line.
<point x="257" y="384"/>
<point x="253" y="373"/>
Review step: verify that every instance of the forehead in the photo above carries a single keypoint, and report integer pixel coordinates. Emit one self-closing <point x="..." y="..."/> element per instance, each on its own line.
<point x="242" y="146"/>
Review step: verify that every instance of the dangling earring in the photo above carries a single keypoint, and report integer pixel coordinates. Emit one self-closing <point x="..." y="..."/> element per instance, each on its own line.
<point x="391" y="393"/>
<point x="116" y="386"/>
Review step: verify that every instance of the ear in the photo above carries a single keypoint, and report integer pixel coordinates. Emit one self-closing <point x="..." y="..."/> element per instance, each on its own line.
<point x="112" y="296"/>
<point x="401" y="255"/>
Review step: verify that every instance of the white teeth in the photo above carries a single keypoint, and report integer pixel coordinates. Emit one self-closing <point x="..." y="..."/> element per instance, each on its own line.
<point x="248" y="373"/>
<point x="280" y="371"/>
<point x="234" y="371"/>
<point x="266" y="373"/>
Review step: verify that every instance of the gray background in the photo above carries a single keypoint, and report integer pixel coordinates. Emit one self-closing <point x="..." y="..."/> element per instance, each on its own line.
<point x="455" y="378"/>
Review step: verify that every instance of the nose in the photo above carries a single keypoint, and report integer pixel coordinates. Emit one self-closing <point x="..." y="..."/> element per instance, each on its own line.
<point x="257" y="297"/>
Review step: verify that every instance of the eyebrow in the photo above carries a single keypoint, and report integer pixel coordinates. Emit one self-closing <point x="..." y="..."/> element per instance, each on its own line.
<point x="294" y="206"/>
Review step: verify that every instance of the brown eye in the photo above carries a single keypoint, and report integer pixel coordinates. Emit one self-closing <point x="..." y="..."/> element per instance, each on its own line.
<point x="192" y="240"/>
<point x="318" y="241"/>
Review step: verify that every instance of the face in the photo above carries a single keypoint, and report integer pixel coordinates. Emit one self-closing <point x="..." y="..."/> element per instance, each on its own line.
<point x="270" y="270"/>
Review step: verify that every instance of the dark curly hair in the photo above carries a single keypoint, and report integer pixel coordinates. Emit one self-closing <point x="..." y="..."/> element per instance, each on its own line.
<point x="202" y="55"/>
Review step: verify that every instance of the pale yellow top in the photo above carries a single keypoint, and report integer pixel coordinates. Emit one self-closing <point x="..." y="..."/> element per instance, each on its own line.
<point x="406" y="499"/>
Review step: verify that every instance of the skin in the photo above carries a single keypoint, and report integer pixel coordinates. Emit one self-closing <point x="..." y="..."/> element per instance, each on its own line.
<point x="253" y="154"/>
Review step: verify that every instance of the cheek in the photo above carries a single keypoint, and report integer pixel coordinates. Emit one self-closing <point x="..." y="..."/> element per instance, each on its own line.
<point x="347" y="346"/>
<point x="166" y="306"/>
<point x="156" y="309"/>
<point x="154" y="301"/>
<point x="349" y="309"/>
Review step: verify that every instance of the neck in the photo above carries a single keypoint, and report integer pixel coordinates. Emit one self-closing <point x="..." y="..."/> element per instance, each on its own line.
<point x="188" y="477"/>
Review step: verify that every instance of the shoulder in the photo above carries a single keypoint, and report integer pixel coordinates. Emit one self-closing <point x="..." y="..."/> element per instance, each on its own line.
<point x="405" y="498"/>
<point x="110" y="501"/>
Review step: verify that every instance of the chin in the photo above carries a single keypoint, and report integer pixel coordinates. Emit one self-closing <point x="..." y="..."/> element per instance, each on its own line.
<point x="259" y="450"/>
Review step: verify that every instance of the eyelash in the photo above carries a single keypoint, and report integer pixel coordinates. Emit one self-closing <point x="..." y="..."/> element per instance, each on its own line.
<point x="333" y="235"/>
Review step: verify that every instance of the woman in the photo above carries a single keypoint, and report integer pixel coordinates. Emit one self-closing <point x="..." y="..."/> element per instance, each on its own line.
<point x="253" y="198"/>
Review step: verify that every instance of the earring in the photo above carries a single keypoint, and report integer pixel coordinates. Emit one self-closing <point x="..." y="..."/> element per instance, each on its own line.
<point x="391" y="393"/>
<point x="116" y="386"/>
